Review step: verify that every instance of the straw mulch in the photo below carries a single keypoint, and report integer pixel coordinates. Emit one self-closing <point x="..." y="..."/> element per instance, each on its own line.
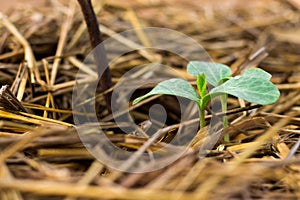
<point x="42" y="156"/>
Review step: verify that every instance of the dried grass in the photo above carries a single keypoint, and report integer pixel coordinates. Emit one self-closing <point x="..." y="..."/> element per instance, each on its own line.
<point x="42" y="156"/>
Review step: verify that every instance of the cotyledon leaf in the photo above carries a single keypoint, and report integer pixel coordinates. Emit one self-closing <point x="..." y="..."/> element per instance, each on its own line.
<point x="257" y="73"/>
<point x="252" y="72"/>
<point x="254" y="90"/>
<point x="174" y="86"/>
<point x="214" y="71"/>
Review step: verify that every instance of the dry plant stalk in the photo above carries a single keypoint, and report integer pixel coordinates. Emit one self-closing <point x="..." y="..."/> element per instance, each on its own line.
<point x="29" y="56"/>
<point x="98" y="49"/>
<point x="8" y="101"/>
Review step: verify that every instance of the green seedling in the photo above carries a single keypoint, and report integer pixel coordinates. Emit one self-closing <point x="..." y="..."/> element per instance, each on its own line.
<point x="253" y="85"/>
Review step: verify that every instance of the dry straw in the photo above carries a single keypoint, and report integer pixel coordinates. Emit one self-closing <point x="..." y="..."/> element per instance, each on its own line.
<point x="42" y="155"/>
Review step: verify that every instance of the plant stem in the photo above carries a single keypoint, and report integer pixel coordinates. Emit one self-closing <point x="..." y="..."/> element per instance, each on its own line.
<point x="225" y="120"/>
<point x="202" y="117"/>
<point x="98" y="48"/>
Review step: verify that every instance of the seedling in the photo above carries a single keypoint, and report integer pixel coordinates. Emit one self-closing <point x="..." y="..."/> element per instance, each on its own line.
<point x="253" y="85"/>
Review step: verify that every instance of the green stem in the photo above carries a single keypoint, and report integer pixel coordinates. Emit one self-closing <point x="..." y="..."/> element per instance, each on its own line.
<point x="224" y="109"/>
<point x="202" y="117"/>
<point x="225" y="119"/>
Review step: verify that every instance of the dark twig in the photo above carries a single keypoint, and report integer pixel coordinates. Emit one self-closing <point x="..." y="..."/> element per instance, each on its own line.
<point x="98" y="48"/>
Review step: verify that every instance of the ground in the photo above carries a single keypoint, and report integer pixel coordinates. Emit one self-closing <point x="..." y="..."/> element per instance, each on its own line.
<point x="46" y="153"/>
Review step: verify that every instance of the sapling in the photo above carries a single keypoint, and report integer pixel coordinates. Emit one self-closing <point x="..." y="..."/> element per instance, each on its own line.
<point x="253" y="85"/>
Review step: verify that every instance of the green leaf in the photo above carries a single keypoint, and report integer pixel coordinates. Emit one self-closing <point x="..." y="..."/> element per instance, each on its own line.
<point x="252" y="89"/>
<point x="214" y="71"/>
<point x="223" y="80"/>
<point x="257" y="73"/>
<point x="174" y="86"/>
<point x="201" y="84"/>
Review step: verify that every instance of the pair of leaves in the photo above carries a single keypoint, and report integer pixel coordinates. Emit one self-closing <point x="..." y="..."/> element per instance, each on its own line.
<point x="253" y="86"/>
